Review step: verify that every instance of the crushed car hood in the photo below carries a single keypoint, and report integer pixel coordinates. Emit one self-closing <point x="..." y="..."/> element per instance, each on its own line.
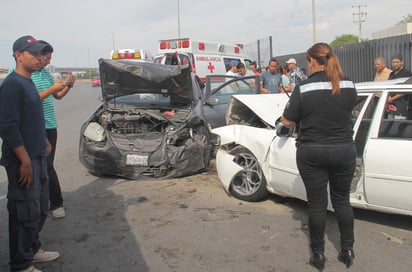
<point x="122" y="77"/>
<point x="268" y="107"/>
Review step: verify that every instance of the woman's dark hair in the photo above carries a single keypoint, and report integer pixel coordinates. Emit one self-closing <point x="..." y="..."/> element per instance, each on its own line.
<point x="322" y="53"/>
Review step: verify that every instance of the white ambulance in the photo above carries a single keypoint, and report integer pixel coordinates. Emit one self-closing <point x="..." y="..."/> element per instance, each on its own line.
<point x="205" y="58"/>
<point x="131" y="54"/>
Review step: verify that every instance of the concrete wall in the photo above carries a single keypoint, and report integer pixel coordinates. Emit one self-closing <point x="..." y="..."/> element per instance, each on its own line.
<point x="400" y="29"/>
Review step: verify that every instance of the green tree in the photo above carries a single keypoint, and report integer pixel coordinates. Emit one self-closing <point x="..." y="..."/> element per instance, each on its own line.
<point x="345" y="39"/>
<point x="407" y="19"/>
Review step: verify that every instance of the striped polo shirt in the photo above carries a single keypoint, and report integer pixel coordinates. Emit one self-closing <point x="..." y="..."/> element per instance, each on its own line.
<point x="43" y="80"/>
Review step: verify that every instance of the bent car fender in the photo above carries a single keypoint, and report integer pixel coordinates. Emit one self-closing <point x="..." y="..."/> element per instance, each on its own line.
<point x="255" y="139"/>
<point x="226" y="168"/>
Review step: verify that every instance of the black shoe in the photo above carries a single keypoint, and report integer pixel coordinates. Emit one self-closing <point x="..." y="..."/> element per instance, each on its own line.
<point x="317" y="260"/>
<point x="346" y="257"/>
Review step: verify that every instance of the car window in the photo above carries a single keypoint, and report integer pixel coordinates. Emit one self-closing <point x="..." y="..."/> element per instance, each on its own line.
<point x="365" y="122"/>
<point x="227" y="61"/>
<point x="396" y="121"/>
<point x="223" y="87"/>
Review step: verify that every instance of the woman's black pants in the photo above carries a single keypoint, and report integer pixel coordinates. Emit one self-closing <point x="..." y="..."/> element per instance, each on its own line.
<point x="320" y="165"/>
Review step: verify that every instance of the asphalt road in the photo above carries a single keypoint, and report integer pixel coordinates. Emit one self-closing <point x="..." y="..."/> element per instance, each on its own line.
<point x="188" y="224"/>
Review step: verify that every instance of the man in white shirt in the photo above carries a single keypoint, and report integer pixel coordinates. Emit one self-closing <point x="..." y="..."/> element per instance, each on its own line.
<point x="232" y="68"/>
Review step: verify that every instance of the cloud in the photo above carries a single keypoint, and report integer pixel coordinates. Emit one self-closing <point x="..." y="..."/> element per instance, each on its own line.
<point x="83" y="31"/>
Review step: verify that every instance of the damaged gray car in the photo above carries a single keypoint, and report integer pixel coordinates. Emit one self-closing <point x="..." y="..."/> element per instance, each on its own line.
<point x="150" y="124"/>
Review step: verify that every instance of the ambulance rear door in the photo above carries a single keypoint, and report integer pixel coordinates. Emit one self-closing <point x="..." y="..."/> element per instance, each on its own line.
<point x="208" y="65"/>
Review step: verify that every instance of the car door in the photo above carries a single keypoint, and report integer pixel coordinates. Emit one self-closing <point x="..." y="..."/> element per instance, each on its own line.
<point x="387" y="157"/>
<point x="218" y="90"/>
<point x="283" y="172"/>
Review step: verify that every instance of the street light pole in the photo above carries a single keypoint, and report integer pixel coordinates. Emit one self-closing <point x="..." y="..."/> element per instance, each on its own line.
<point x="113" y="40"/>
<point x="90" y="69"/>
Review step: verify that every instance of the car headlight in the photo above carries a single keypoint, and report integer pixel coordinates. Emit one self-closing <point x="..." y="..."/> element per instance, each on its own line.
<point x="95" y="132"/>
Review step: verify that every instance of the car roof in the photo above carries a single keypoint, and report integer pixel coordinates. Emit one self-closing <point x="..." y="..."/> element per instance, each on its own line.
<point x="403" y="84"/>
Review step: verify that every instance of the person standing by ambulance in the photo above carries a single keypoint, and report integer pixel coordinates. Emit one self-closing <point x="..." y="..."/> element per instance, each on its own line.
<point x="326" y="154"/>
<point x="253" y="68"/>
<point x="232" y="68"/>
<point x="295" y="73"/>
<point x="271" y="79"/>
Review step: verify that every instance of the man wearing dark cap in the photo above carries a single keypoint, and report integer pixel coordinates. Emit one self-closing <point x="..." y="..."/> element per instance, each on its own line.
<point x="24" y="152"/>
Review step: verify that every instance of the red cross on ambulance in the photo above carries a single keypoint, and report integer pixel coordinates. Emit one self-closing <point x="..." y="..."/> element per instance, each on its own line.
<point x="210" y="67"/>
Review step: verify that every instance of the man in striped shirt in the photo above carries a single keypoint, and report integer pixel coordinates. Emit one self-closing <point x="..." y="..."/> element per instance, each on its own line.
<point x="48" y="89"/>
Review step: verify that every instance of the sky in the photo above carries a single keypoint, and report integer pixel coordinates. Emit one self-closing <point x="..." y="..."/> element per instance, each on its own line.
<point x="82" y="31"/>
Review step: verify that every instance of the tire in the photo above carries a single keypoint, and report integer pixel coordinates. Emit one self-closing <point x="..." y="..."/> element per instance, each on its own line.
<point x="250" y="183"/>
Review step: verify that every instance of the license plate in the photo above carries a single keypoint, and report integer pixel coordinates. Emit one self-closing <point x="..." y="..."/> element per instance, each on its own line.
<point x="133" y="159"/>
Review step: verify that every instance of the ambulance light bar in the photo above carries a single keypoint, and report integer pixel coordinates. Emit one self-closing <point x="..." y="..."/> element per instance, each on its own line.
<point x="185" y="43"/>
<point x="174" y="44"/>
<point x="126" y="55"/>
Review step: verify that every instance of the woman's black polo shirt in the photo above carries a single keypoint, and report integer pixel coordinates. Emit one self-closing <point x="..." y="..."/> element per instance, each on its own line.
<point x="323" y="118"/>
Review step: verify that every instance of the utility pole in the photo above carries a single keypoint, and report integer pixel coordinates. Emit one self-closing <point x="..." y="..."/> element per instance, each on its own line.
<point x="313" y="21"/>
<point x="178" y="19"/>
<point x="358" y="18"/>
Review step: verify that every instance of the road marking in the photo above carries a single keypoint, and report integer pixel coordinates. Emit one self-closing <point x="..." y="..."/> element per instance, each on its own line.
<point x="392" y="238"/>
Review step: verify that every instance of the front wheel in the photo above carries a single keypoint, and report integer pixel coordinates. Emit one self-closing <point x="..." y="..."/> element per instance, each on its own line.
<point x="250" y="183"/>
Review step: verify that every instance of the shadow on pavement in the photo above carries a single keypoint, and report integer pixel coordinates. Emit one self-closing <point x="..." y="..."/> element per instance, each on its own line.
<point x="94" y="235"/>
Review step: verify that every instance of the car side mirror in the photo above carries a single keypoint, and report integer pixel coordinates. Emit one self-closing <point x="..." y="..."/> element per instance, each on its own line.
<point x="283" y="131"/>
<point x="212" y="101"/>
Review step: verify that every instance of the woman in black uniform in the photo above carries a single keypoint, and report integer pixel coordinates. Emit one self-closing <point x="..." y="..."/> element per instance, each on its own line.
<point x="322" y="106"/>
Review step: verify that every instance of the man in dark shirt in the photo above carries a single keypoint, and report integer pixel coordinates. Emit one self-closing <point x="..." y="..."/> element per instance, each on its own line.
<point x="398" y="69"/>
<point x="398" y="102"/>
<point x="24" y="152"/>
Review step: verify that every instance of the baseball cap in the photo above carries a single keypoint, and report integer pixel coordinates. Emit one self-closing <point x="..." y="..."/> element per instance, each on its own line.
<point x="30" y="44"/>
<point x="291" y="60"/>
<point x="233" y="63"/>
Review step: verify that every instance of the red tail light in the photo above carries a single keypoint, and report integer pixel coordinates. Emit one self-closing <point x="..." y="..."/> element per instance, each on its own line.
<point x="201" y="46"/>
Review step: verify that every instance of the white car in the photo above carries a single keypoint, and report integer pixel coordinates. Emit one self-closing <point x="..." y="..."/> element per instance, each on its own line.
<point x="253" y="159"/>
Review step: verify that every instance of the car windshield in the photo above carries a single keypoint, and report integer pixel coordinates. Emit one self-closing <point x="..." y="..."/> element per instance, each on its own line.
<point x="152" y="100"/>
